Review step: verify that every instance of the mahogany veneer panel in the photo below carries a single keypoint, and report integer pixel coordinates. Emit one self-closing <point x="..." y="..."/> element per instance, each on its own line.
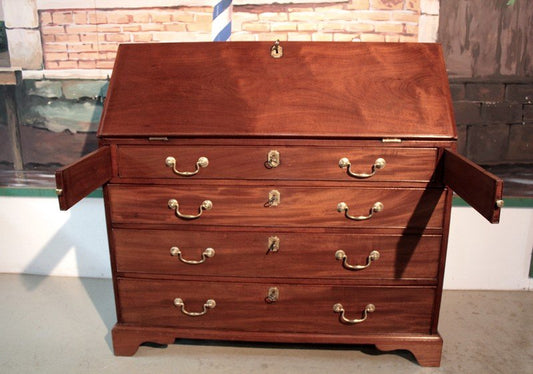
<point x="426" y="348"/>
<point x="334" y="90"/>
<point x="300" y="308"/>
<point x="301" y="255"/>
<point x="76" y="181"/>
<point x="297" y="163"/>
<point x="477" y="186"/>
<point x="307" y="207"/>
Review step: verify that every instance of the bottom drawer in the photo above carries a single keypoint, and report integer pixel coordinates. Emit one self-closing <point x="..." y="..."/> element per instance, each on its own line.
<point x="298" y="308"/>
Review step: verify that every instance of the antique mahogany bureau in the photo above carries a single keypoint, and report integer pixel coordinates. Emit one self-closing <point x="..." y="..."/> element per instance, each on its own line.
<point x="280" y="192"/>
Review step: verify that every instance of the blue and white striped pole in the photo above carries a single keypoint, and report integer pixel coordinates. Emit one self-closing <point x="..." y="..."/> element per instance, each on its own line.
<point x="221" y="26"/>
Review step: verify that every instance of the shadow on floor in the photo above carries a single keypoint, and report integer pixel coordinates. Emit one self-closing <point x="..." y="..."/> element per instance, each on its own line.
<point x="57" y="248"/>
<point x="370" y="350"/>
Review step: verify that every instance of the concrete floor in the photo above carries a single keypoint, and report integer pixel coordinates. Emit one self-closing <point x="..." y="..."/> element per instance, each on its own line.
<point x="62" y="325"/>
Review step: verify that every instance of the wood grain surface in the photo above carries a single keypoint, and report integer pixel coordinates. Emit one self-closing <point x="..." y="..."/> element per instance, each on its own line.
<point x="300" y="308"/>
<point x="426" y="348"/>
<point x="301" y="255"/>
<point x="476" y="186"/>
<point x="84" y="176"/>
<point x="297" y="163"/>
<point x="299" y="207"/>
<point x="341" y="90"/>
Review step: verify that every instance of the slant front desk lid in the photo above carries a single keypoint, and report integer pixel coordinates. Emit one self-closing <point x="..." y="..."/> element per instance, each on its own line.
<point x="318" y="90"/>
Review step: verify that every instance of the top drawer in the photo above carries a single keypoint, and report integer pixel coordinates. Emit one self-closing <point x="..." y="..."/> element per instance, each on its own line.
<point x="293" y="163"/>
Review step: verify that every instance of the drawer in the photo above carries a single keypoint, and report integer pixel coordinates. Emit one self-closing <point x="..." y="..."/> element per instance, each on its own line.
<point x="298" y="206"/>
<point x="296" y="162"/>
<point x="297" y="255"/>
<point x="299" y="308"/>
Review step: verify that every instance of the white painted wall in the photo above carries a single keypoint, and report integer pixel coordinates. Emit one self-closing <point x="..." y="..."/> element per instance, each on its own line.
<point x="36" y="238"/>
<point x="484" y="256"/>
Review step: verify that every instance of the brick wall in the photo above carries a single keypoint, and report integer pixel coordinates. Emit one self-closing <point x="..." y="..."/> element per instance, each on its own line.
<point x="68" y="48"/>
<point x="487" y="48"/>
<point x="494" y="120"/>
<point x="89" y="38"/>
<point x="355" y="20"/>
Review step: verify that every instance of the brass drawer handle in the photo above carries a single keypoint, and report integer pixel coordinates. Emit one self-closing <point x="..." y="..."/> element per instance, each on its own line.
<point x="201" y="163"/>
<point x="209" y="304"/>
<point x="345" y="163"/>
<point x="338" y="308"/>
<point x="206" y="205"/>
<point x="207" y="253"/>
<point x="376" y="208"/>
<point x="341" y="255"/>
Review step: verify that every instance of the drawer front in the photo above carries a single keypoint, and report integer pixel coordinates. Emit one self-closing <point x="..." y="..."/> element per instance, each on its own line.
<point x="298" y="206"/>
<point x="298" y="255"/>
<point x="295" y="163"/>
<point x="298" y="308"/>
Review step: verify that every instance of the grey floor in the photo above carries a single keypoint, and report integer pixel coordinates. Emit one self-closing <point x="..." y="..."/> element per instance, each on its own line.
<point x="62" y="325"/>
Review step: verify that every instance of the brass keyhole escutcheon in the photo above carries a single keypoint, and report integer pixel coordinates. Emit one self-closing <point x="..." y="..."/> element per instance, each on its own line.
<point x="274" y="198"/>
<point x="273" y="244"/>
<point x="273" y="159"/>
<point x="276" y="50"/>
<point x="272" y="295"/>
